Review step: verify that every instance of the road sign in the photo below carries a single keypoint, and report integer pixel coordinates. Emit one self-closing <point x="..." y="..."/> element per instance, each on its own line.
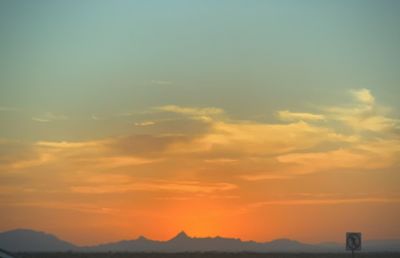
<point x="353" y="241"/>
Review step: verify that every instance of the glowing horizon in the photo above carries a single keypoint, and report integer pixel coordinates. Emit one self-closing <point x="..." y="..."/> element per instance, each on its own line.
<point x="253" y="120"/>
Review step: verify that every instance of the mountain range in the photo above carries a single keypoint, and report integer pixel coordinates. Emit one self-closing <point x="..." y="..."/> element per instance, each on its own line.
<point x="25" y="240"/>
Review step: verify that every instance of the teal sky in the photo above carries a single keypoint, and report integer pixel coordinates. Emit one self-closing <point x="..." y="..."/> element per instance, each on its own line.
<point x="249" y="58"/>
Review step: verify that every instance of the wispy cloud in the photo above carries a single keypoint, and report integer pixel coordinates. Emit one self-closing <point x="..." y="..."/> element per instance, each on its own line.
<point x="264" y="176"/>
<point x="364" y="115"/>
<point x="161" y="82"/>
<point x="286" y="115"/>
<point x="221" y="162"/>
<point x="339" y="159"/>
<point x="363" y="96"/>
<point x="69" y="145"/>
<point x="293" y="147"/>
<point x="157" y="185"/>
<point x="302" y="202"/>
<point x="191" y="110"/>
<point x="82" y="208"/>
<point x="204" y="114"/>
<point x="97" y="117"/>
<point x="49" y="117"/>
<point x="145" y="123"/>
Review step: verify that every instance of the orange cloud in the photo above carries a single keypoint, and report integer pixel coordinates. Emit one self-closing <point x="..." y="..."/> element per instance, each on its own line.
<point x="203" y="157"/>
<point x="325" y="201"/>
<point x="156" y="185"/>
<point x="286" y="115"/>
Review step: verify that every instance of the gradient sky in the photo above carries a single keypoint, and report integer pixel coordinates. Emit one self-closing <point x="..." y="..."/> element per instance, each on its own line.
<point x="250" y="119"/>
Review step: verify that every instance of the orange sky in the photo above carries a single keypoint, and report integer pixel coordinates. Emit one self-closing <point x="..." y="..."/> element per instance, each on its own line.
<point x="307" y="176"/>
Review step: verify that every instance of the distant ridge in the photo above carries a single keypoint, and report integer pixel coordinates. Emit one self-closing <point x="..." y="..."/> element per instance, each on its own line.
<point x="33" y="241"/>
<point x="25" y="240"/>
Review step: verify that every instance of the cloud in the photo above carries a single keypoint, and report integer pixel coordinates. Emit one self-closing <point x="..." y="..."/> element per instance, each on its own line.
<point x="49" y="117"/>
<point x="298" y="147"/>
<point x="265" y="176"/>
<point x="145" y="123"/>
<point x="69" y="145"/>
<point x="225" y="155"/>
<point x="286" y="115"/>
<point x="44" y="153"/>
<point x="322" y="161"/>
<point x="38" y="119"/>
<point x="204" y="114"/>
<point x="15" y="153"/>
<point x="89" y="155"/>
<point x="161" y="82"/>
<point x="82" y="208"/>
<point x="364" y="96"/>
<point x="251" y="138"/>
<point x="220" y="161"/>
<point x="145" y="144"/>
<point x="97" y="118"/>
<point x="200" y="157"/>
<point x="364" y="115"/>
<point x="93" y="154"/>
<point x="302" y="202"/>
<point x="120" y="161"/>
<point x="365" y="155"/>
<point x="363" y="118"/>
<point x="156" y="185"/>
<point x="295" y="147"/>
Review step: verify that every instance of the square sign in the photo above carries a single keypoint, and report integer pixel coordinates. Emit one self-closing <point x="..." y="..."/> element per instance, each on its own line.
<point x="353" y="241"/>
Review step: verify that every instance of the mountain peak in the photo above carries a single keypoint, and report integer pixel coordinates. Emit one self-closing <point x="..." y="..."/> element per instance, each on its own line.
<point x="142" y="238"/>
<point x="181" y="236"/>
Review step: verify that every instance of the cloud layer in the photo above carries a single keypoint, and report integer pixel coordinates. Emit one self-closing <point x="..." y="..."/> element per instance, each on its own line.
<point x="200" y="156"/>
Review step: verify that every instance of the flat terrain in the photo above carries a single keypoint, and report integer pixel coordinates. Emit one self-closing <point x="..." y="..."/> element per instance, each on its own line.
<point x="204" y="255"/>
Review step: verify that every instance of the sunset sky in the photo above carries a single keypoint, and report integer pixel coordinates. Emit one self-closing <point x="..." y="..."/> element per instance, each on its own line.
<point x="249" y="119"/>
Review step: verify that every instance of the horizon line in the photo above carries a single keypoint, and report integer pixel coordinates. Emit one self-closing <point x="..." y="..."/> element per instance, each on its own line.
<point x="181" y="232"/>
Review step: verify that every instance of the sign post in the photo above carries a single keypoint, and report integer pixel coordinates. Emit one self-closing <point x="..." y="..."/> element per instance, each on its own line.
<point x="353" y="242"/>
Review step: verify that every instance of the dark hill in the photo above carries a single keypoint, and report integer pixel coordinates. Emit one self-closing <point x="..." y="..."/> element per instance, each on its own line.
<point x="29" y="240"/>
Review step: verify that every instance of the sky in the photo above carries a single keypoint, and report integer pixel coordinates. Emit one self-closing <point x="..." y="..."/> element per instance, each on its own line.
<point x="250" y="119"/>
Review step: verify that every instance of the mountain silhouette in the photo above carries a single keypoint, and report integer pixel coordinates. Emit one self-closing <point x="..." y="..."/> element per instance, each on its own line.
<point x="182" y="236"/>
<point x="32" y="241"/>
<point x="25" y="240"/>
